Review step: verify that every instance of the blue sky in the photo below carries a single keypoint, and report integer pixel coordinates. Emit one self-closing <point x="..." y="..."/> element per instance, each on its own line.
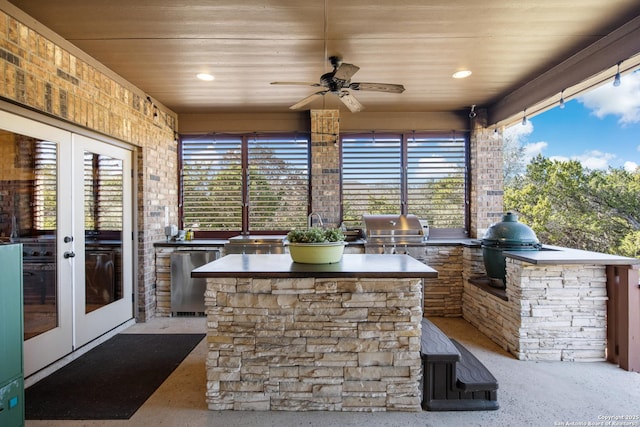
<point x="600" y="128"/>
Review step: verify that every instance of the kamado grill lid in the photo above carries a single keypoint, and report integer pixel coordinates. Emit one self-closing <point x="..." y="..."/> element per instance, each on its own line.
<point x="510" y="232"/>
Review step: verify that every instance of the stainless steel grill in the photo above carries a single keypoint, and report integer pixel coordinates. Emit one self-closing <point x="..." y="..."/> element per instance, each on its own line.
<point x="394" y="234"/>
<point x="393" y="229"/>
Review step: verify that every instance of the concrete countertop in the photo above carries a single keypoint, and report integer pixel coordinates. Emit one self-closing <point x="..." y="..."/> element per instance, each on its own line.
<point x="550" y="255"/>
<point x="281" y="266"/>
<point x="359" y="242"/>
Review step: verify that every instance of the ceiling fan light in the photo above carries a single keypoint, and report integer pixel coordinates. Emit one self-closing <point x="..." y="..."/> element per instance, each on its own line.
<point x="462" y="74"/>
<point x="205" y="77"/>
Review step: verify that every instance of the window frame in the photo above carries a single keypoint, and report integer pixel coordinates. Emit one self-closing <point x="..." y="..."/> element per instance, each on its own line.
<point x="405" y="139"/>
<point x="245" y="164"/>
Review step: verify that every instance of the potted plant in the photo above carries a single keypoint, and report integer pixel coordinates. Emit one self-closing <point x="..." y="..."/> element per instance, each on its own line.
<point x="316" y="245"/>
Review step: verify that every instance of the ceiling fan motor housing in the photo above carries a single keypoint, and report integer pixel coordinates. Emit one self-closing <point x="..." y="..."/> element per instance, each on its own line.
<point x="338" y="82"/>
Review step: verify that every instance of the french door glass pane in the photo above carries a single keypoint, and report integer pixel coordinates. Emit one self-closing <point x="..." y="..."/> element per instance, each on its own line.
<point x="103" y="209"/>
<point x="28" y="215"/>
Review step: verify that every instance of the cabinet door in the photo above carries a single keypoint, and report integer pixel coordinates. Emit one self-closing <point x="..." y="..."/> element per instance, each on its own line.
<point x="10" y="312"/>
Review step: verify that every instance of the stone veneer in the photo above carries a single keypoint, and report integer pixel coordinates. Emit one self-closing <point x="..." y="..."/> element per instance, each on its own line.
<point x="553" y="312"/>
<point x="314" y="344"/>
<point x="443" y="296"/>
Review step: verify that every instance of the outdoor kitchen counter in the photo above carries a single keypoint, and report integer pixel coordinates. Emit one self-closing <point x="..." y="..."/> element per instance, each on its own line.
<point x="557" y="255"/>
<point x="352" y="265"/>
<point x="302" y="337"/>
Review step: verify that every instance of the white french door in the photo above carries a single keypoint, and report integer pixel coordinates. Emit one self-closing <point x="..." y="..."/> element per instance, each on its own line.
<point x="68" y="199"/>
<point x="102" y="232"/>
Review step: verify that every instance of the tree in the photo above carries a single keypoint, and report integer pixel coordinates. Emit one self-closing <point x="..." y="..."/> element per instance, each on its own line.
<point x="568" y="205"/>
<point x="513" y="153"/>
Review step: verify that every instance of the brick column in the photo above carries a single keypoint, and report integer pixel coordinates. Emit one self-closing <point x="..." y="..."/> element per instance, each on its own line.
<point x="325" y="165"/>
<point x="486" y="175"/>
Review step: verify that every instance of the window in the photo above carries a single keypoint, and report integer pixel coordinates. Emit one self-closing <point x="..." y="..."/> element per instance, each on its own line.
<point x="424" y="174"/>
<point x="371" y="176"/>
<point x="45" y="185"/>
<point x="244" y="183"/>
<point x="103" y="184"/>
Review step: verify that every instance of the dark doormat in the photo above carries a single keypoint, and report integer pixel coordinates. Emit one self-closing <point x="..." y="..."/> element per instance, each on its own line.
<point x="111" y="381"/>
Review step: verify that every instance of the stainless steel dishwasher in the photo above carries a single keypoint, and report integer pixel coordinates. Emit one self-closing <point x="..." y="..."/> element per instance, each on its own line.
<point x="187" y="294"/>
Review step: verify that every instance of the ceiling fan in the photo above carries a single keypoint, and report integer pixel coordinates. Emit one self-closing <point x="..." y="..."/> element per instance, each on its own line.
<point x="339" y="83"/>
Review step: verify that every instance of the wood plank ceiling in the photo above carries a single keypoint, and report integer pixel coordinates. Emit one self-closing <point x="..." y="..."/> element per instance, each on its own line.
<point x="160" y="46"/>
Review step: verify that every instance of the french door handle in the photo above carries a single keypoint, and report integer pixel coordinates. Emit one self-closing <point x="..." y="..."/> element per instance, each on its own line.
<point x="69" y="254"/>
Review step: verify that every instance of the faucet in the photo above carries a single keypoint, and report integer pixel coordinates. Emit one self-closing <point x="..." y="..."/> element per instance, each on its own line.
<point x="310" y="219"/>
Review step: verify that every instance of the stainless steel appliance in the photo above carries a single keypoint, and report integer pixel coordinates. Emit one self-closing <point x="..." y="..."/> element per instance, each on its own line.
<point x="252" y="244"/>
<point x="392" y="230"/>
<point x="187" y="293"/>
<point x="39" y="265"/>
<point x="394" y="234"/>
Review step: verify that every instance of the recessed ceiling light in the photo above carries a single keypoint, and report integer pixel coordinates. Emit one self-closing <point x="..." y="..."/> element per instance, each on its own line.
<point x="206" y="77"/>
<point x="461" y="74"/>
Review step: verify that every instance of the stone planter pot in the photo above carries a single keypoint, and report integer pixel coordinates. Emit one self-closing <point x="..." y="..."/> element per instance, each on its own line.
<point x="316" y="253"/>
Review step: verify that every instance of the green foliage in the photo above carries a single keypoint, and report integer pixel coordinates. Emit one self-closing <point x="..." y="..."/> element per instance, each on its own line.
<point x="315" y="235"/>
<point x="568" y="205"/>
<point x="513" y="155"/>
<point x="277" y="200"/>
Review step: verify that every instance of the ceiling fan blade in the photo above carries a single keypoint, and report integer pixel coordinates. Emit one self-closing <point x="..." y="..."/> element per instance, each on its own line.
<point x="350" y="101"/>
<point x="377" y="87"/>
<point x="345" y="71"/>
<point x="307" y="100"/>
<point x="296" y="83"/>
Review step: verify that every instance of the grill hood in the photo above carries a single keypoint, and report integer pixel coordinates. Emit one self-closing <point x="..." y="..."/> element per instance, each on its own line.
<point x="393" y="229"/>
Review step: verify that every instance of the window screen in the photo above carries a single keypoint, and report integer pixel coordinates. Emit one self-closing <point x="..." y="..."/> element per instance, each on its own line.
<point x="371" y="176"/>
<point x="424" y="174"/>
<point x="245" y="183"/>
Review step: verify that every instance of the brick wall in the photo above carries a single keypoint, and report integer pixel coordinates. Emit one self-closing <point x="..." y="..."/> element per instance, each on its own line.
<point x="325" y="165"/>
<point x="486" y="175"/>
<point x="50" y="77"/>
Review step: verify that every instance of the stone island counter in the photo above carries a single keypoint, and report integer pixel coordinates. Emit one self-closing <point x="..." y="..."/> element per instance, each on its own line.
<point x="302" y="337"/>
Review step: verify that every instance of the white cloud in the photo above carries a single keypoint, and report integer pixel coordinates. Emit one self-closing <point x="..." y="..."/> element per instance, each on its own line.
<point x="595" y="159"/>
<point x="589" y="159"/>
<point x="533" y="149"/>
<point x="622" y="101"/>
<point x="630" y="166"/>
<point x="518" y="132"/>
<point x="444" y="168"/>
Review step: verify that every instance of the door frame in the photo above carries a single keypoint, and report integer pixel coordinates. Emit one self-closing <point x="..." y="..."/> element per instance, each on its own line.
<point x="88" y="326"/>
<point x="16" y="119"/>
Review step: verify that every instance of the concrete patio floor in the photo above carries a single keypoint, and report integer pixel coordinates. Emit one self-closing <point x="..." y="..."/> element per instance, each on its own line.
<point x="530" y="393"/>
